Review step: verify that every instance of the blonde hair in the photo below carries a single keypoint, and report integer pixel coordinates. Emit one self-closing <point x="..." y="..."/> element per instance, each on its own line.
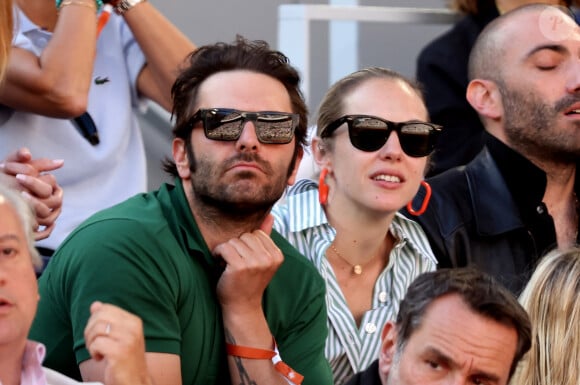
<point x="332" y="106"/>
<point x="552" y="299"/>
<point x="6" y="26"/>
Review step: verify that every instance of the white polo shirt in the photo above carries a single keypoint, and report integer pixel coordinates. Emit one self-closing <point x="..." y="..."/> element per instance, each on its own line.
<point x="93" y="177"/>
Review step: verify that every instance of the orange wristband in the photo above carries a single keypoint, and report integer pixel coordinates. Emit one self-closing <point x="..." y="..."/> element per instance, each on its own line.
<point x="265" y="354"/>
<point x="251" y="353"/>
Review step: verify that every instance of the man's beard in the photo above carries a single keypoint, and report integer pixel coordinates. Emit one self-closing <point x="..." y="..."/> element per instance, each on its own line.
<point x="531" y="126"/>
<point x="242" y="197"/>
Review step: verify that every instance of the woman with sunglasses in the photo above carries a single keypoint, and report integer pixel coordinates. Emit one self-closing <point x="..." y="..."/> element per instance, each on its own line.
<point x="372" y="145"/>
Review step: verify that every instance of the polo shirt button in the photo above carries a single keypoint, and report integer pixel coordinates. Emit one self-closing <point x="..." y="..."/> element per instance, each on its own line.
<point x="370" y="328"/>
<point x="383" y="296"/>
<point x="291" y="375"/>
<point x="540" y="209"/>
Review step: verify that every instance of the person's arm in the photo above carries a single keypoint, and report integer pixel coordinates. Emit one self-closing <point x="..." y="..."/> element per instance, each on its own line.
<point x="117" y="270"/>
<point x="165" y="48"/>
<point x="57" y="82"/>
<point x="115" y="337"/>
<point x="251" y="262"/>
<point x="32" y="177"/>
<point x="162" y="368"/>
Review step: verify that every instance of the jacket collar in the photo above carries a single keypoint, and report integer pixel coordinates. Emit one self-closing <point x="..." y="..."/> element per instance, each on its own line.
<point x="504" y="187"/>
<point x="491" y="200"/>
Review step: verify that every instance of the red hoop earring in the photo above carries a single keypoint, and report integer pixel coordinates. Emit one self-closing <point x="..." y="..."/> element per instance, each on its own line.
<point x="323" y="187"/>
<point x="425" y="201"/>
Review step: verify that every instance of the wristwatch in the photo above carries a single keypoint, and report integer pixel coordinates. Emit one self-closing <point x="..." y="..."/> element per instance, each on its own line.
<point x="125" y="5"/>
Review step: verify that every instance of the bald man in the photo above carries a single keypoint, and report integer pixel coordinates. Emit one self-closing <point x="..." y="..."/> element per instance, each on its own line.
<point x="518" y="197"/>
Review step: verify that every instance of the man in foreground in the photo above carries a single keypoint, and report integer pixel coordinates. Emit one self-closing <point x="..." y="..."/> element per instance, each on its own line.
<point x="454" y="326"/>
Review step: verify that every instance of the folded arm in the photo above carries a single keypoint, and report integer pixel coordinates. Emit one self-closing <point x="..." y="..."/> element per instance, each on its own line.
<point x="57" y="82"/>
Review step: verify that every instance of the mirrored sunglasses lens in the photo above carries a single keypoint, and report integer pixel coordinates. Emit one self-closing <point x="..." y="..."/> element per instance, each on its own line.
<point x="415" y="139"/>
<point x="223" y="125"/>
<point x="275" y="128"/>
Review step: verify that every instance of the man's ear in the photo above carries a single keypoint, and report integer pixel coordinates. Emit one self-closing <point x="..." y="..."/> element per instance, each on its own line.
<point x="299" y="155"/>
<point x="388" y="348"/>
<point x="180" y="158"/>
<point x="485" y="98"/>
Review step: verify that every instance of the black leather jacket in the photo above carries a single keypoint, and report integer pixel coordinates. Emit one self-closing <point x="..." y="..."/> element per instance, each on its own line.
<point x="473" y="219"/>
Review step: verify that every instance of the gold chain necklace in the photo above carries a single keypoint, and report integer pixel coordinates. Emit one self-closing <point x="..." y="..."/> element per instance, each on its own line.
<point x="357" y="269"/>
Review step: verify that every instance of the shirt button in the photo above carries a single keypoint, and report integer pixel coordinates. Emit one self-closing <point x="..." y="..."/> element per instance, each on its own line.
<point x="540" y="209"/>
<point x="383" y="296"/>
<point x="370" y="328"/>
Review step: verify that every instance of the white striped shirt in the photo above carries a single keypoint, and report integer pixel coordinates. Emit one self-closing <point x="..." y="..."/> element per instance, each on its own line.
<point x="301" y="219"/>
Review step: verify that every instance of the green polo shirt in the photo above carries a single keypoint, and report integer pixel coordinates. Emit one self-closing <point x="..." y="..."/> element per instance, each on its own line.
<point x="147" y="256"/>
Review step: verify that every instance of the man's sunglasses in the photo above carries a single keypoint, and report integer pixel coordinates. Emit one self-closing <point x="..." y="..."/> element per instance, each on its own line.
<point x="369" y="133"/>
<point x="227" y="124"/>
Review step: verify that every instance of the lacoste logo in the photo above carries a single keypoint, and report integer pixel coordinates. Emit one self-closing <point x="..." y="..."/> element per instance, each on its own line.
<point x="99" y="80"/>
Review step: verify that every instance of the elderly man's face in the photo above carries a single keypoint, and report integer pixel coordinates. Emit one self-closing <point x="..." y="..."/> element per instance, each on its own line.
<point x="540" y="85"/>
<point x="453" y="345"/>
<point x="18" y="287"/>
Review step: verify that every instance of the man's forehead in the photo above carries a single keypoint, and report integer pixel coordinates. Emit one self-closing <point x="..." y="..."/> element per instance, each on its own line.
<point x="244" y="90"/>
<point x="533" y="28"/>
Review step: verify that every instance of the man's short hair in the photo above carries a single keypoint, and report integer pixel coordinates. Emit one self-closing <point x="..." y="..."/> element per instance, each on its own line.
<point x="255" y="56"/>
<point x="478" y="290"/>
<point x="489" y="47"/>
<point x="25" y="214"/>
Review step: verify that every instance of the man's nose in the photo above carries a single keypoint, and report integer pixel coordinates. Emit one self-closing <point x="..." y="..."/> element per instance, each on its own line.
<point x="248" y="140"/>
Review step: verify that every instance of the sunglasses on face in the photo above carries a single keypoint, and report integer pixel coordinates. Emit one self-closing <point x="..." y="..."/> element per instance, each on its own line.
<point x="226" y="124"/>
<point x="369" y="133"/>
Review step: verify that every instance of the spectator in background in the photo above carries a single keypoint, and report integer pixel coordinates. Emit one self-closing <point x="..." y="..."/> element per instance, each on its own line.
<point x="454" y="326"/>
<point x="552" y="299"/>
<point x="196" y="260"/>
<point x="442" y="70"/>
<point x="114" y="336"/>
<point x="72" y="93"/>
<point x="372" y="144"/>
<point x="30" y="175"/>
<point x="518" y="198"/>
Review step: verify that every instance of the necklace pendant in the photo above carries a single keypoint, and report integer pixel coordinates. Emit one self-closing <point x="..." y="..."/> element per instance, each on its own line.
<point x="357" y="269"/>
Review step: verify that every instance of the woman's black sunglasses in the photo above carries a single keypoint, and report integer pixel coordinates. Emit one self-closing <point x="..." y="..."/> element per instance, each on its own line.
<point x="370" y="133"/>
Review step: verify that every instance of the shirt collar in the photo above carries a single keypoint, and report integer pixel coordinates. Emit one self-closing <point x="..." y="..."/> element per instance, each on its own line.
<point x="32" y="373"/>
<point x="305" y="195"/>
<point x="178" y="214"/>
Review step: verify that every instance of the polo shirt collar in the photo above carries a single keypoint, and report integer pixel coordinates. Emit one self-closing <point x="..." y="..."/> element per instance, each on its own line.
<point x="177" y="211"/>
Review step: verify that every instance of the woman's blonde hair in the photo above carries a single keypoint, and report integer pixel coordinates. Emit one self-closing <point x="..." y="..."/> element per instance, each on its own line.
<point x="332" y="107"/>
<point x="6" y="25"/>
<point x="552" y="299"/>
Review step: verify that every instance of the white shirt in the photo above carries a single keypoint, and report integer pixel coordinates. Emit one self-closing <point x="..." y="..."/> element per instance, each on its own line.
<point x="33" y="373"/>
<point x="302" y="221"/>
<point x="93" y="177"/>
